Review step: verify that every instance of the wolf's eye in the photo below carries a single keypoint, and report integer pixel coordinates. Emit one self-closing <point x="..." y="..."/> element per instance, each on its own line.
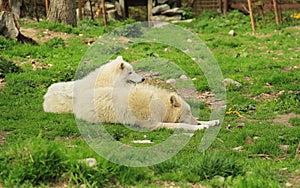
<point x="130" y="73"/>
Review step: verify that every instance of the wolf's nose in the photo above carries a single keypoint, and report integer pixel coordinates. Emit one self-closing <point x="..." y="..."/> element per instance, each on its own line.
<point x="143" y="79"/>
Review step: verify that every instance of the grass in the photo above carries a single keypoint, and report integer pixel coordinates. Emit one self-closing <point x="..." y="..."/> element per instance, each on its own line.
<point x="35" y="161"/>
<point x="43" y="149"/>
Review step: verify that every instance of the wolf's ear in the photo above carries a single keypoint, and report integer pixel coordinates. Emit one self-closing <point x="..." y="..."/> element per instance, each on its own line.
<point x="175" y="102"/>
<point x="122" y="66"/>
<point x="119" y="58"/>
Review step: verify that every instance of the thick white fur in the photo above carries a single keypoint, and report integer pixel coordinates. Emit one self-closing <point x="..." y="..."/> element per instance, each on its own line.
<point x="140" y="105"/>
<point x="59" y="97"/>
<point x="108" y="95"/>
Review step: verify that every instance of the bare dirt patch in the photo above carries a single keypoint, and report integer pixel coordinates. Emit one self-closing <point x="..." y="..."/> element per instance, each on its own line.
<point x="293" y="28"/>
<point x="287" y="69"/>
<point x="284" y="118"/>
<point x="294" y="179"/>
<point x="3" y="134"/>
<point x="169" y="184"/>
<point x="2" y="83"/>
<point x="260" y="36"/>
<point x="270" y="95"/>
<point x="43" y="35"/>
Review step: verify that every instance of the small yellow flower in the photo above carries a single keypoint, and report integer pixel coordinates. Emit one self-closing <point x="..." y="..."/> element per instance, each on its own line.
<point x="296" y="16"/>
<point x="230" y="111"/>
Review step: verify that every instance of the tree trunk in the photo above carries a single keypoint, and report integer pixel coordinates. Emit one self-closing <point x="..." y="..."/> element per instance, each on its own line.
<point x="16" y="7"/>
<point x="5" y="5"/>
<point x="63" y="11"/>
<point x="10" y="28"/>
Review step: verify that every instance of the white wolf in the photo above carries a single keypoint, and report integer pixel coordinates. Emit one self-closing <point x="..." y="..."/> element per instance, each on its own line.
<point x="140" y="105"/>
<point x="59" y="97"/>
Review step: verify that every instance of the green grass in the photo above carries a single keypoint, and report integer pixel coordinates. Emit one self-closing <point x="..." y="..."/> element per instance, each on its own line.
<point x="43" y="149"/>
<point x="34" y="161"/>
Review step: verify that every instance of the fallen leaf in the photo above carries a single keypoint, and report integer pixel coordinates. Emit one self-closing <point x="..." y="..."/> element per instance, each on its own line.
<point x="284" y="148"/>
<point x="248" y="140"/>
<point x="287" y="184"/>
<point x="220" y="140"/>
<point x="283" y="169"/>
<point x="239" y="148"/>
<point x="268" y="85"/>
<point x="241" y="125"/>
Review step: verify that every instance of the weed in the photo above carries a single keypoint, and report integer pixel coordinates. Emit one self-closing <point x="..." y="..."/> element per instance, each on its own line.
<point x="6" y="44"/>
<point x="187" y="12"/>
<point x="106" y="173"/>
<point x="97" y="176"/>
<point x="33" y="161"/>
<point x="55" y="43"/>
<point x="55" y="26"/>
<point x="295" y="121"/>
<point x="215" y="164"/>
<point x="8" y="67"/>
<point x="255" y="181"/>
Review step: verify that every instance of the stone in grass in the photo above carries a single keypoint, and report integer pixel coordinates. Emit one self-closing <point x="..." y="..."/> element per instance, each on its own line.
<point x="288" y="184"/>
<point x="232" y="33"/>
<point x="90" y="162"/>
<point x="284" y="148"/>
<point x="229" y="81"/>
<point x="171" y="81"/>
<point x="241" y="125"/>
<point x="184" y="77"/>
<point x="239" y="148"/>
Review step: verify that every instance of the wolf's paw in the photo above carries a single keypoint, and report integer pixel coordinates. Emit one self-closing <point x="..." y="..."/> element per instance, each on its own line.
<point x="207" y="124"/>
<point x="215" y="123"/>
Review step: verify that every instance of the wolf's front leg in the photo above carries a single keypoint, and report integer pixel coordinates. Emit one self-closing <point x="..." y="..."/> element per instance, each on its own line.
<point x="184" y="126"/>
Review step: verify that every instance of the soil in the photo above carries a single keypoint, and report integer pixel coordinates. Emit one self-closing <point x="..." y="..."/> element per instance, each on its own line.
<point x="2" y="83"/>
<point x="285" y="118"/>
<point x="3" y="134"/>
<point x="43" y="35"/>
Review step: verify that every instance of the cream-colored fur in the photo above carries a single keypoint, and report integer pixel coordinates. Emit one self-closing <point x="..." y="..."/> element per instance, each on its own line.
<point x="59" y="97"/>
<point x="140" y="105"/>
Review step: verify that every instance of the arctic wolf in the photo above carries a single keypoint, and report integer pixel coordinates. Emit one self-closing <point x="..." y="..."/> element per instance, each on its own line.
<point x="59" y="97"/>
<point x="140" y="105"/>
